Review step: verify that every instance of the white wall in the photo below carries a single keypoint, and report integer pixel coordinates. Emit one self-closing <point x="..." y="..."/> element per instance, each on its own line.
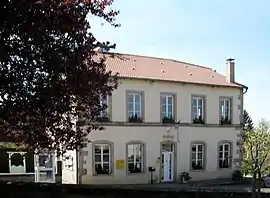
<point x="183" y="92"/>
<point x="152" y="136"/>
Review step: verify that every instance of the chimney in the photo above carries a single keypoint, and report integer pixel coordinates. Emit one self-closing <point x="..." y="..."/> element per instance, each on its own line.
<point x="230" y="70"/>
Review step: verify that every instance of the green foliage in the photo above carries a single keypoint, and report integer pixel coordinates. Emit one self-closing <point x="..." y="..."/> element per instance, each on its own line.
<point x="257" y="148"/>
<point x="248" y="122"/>
<point x="13" y="147"/>
<point x="248" y="127"/>
<point x="256" y="156"/>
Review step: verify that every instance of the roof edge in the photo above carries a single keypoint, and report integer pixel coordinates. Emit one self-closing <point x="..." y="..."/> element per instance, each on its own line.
<point x="238" y="85"/>
<point x="243" y="86"/>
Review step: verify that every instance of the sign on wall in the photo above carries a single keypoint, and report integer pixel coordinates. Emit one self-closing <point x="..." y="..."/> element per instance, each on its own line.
<point x="120" y="164"/>
<point x="170" y="137"/>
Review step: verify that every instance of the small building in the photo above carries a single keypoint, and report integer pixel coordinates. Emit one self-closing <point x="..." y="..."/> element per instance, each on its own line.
<point x="18" y="163"/>
<point x="169" y="115"/>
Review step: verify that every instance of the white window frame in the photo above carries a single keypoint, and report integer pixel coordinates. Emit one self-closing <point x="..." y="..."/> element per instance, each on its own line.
<point x="104" y="100"/>
<point x="223" y="108"/>
<point x="197" y="107"/>
<point x="223" y="153"/>
<point x="166" y="114"/>
<point x="141" y="152"/>
<point x="134" y="104"/>
<point x="197" y="155"/>
<point x="102" y="146"/>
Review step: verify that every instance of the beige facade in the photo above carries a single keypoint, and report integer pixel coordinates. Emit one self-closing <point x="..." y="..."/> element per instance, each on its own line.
<point x="206" y="151"/>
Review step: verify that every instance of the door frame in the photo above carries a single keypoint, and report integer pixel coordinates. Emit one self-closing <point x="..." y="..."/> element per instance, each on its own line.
<point x="174" y="143"/>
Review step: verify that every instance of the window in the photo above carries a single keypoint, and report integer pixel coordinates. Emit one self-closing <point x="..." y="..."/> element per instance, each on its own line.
<point x="167" y="108"/>
<point x="198" y="110"/>
<point x="105" y="102"/>
<point x="197" y="156"/>
<point x="102" y="157"/>
<point x="225" y="111"/>
<point x="104" y="114"/>
<point x="134" y="107"/>
<point x="135" y="158"/>
<point x="224" y="155"/>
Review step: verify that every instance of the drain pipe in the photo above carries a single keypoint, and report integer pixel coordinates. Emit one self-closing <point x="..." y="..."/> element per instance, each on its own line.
<point x="244" y="90"/>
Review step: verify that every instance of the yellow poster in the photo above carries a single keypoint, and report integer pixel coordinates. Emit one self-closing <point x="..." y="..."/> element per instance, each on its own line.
<point x="120" y="164"/>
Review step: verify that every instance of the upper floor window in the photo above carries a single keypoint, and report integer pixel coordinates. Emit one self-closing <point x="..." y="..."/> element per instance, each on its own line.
<point x="134" y="103"/>
<point x="102" y="158"/>
<point x="167" y="108"/>
<point x="225" y="111"/>
<point x="224" y="155"/>
<point x="104" y="114"/>
<point x="198" y="110"/>
<point x="197" y="156"/>
<point x="135" y="158"/>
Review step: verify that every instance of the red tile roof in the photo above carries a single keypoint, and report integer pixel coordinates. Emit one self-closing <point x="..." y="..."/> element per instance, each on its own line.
<point x="143" y="67"/>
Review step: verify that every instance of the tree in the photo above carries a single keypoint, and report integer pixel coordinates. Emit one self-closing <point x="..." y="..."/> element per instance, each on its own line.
<point x="257" y="156"/>
<point x="51" y="80"/>
<point x="248" y="126"/>
<point x="248" y="122"/>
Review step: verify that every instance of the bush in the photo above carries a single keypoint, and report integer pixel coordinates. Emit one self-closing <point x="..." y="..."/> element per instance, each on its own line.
<point x="185" y="177"/>
<point x="237" y="175"/>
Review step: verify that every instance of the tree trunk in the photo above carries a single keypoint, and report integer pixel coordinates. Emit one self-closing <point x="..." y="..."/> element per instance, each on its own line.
<point x="259" y="183"/>
<point x="254" y="184"/>
<point x="255" y="193"/>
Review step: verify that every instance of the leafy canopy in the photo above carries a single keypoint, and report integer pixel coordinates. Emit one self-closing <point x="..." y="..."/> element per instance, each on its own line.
<point x="257" y="149"/>
<point x="49" y="75"/>
<point x="248" y="122"/>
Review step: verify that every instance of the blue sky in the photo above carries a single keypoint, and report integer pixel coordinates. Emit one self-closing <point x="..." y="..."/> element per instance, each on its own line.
<point x="203" y="32"/>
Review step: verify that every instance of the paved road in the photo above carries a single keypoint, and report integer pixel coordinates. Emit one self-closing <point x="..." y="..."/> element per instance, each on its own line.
<point x="175" y="186"/>
<point x="237" y="188"/>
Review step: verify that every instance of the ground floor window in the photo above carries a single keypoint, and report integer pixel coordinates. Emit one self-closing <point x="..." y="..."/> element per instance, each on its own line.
<point x="102" y="158"/>
<point x="197" y="156"/>
<point x="135" y="158"/>
<point x="224" y="155"/>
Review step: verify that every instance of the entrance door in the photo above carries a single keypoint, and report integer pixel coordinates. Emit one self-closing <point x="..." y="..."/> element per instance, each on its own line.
<point x="167" y="164"/>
